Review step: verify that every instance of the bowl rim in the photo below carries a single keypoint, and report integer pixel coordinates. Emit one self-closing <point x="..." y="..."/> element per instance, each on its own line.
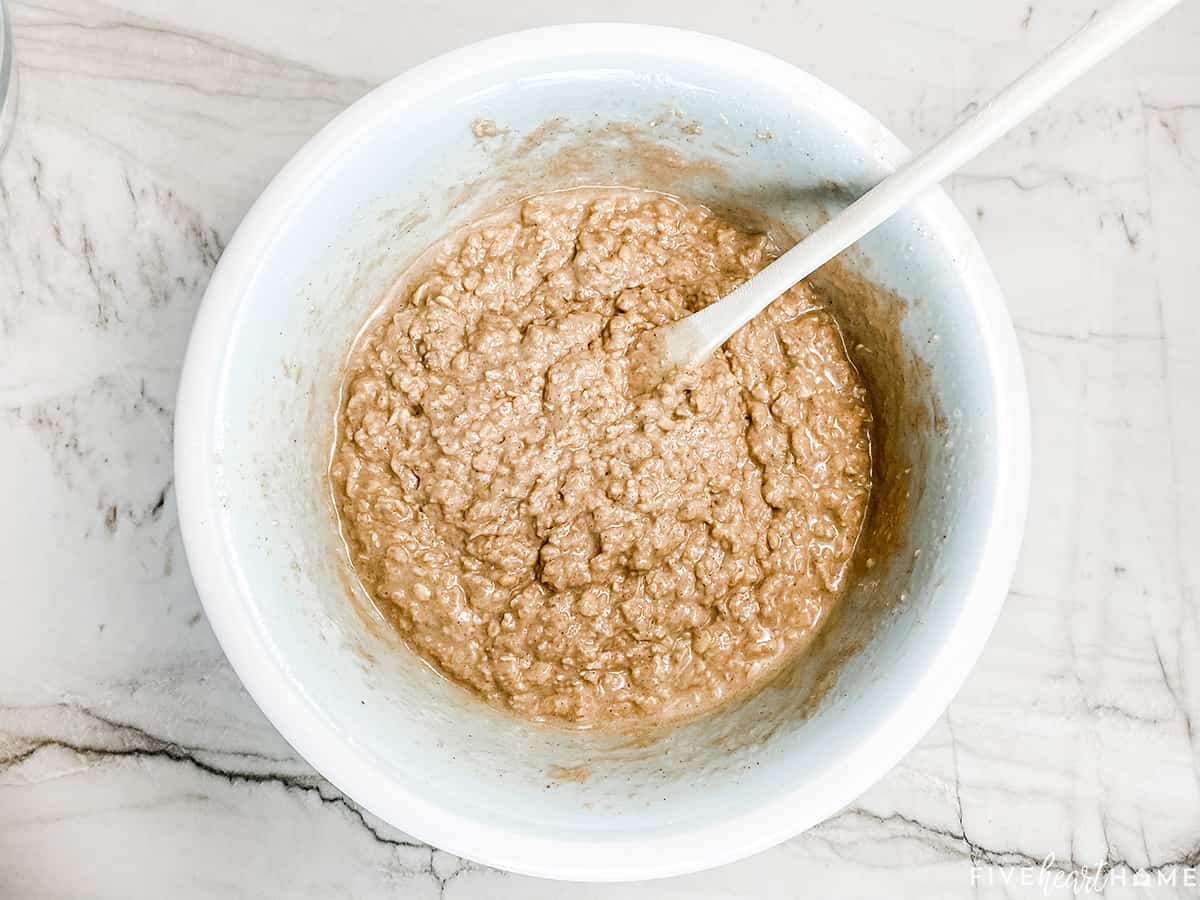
<point x="693" y="846"/>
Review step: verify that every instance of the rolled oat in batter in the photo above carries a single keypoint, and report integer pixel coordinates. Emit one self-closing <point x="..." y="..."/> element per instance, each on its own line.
<point x="565" y="546"/>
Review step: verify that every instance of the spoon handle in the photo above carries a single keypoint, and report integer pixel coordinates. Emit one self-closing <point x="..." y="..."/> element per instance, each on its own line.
<point x="694" y="338"/>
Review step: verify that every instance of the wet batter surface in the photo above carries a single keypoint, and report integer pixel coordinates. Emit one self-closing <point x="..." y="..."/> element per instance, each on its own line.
<point x="567" y="545"/>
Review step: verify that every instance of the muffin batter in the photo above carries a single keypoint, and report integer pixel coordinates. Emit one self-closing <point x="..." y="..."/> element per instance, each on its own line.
<point x="568" y="545"/>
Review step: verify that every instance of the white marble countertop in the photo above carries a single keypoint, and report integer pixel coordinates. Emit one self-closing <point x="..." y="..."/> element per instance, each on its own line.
<point x="132" y="764"/>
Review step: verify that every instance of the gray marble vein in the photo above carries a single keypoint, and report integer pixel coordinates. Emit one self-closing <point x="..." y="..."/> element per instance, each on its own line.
<point x="133" y="764"/>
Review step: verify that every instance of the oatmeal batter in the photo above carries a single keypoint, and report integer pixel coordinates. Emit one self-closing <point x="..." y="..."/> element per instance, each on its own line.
<point x="572" y="547"/>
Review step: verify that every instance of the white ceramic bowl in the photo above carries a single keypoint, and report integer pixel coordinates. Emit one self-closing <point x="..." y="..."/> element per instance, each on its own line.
<point x="717" y="122"/>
